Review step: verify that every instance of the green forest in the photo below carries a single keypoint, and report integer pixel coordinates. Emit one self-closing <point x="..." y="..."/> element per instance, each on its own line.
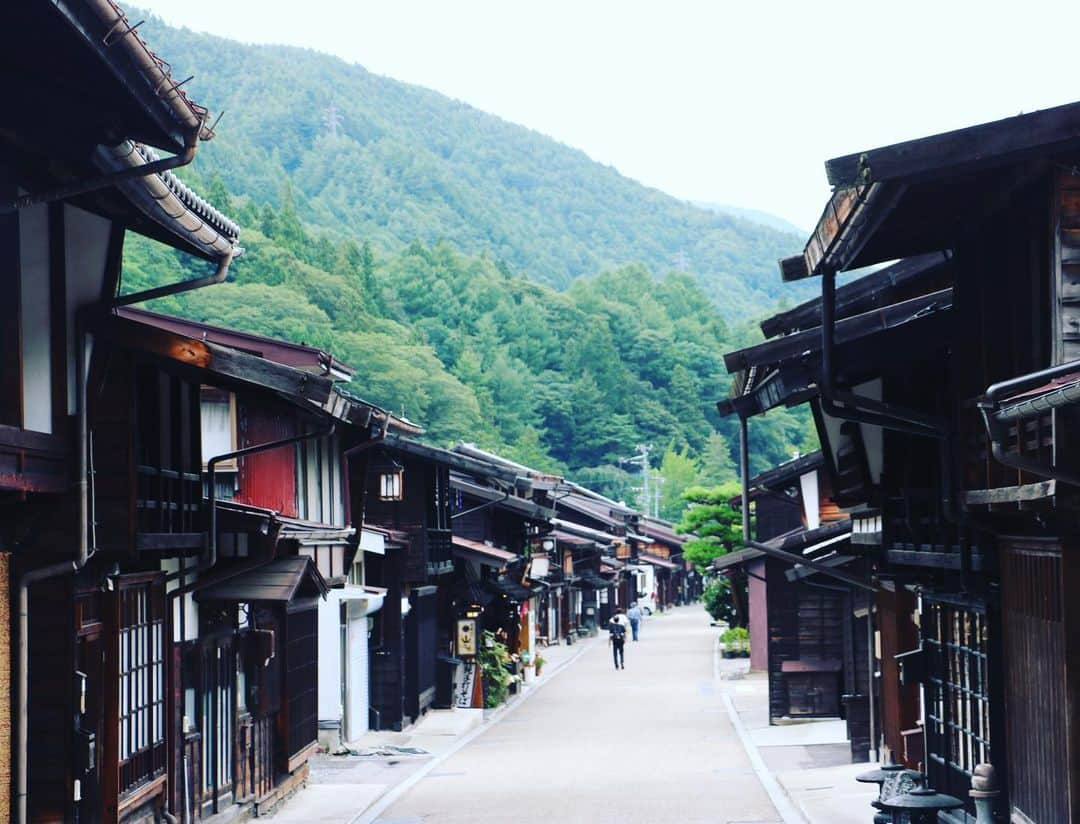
<point x="486" y="282"/>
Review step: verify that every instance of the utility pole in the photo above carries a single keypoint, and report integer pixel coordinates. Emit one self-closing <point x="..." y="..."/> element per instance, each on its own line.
<point x="333" y="119"/>
<point x="645" y="497"/>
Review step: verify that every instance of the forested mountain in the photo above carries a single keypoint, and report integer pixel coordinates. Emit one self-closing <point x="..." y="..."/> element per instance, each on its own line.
<point x="372" y="158"/>
<point x="488" y="282"/>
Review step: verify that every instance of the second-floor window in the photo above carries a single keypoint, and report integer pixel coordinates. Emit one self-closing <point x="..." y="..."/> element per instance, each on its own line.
<point x="318" y="482"/>
<point x="218" y="412"/>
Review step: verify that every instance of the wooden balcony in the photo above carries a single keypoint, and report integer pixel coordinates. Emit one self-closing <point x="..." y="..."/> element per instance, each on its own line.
<point x="430" y="553"/>
<point x="32" y="461"/>
<point x="169" y="510"/>
<point x="989" y="484"/>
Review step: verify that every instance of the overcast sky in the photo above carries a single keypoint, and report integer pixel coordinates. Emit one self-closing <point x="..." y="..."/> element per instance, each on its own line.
<point x="736" y="103"/>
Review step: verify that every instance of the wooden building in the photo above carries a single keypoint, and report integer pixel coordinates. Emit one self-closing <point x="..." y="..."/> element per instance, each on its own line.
<point x="407" y="491"/>
<point x="86" y="719"/>
<point x="810" y="635"/>
<point x="948" y="429"/>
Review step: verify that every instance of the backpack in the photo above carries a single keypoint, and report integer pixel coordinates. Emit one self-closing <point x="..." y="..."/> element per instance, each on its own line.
<point x="618" y="631"/>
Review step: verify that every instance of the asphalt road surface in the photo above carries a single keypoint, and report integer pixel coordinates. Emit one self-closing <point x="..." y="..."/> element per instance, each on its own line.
<point x="651" y="743"/>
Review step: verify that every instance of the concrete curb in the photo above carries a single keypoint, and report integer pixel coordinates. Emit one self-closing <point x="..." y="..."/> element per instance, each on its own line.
<point x="370" y="813"/>
<point x="785" y="807"/>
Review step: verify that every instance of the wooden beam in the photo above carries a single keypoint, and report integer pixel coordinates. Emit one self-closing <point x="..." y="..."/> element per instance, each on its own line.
<point x="793" y="268"/>
<point x="227" y="364"/>
<point x="1011" y="494"/>
<point x="982" y="146"/>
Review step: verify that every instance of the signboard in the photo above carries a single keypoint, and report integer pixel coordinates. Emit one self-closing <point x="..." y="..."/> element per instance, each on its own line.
<point x="463" y="692"/>
<point x="466" y="638"/>
<point x="568" y="562"/>
<point x="539" y="566"/>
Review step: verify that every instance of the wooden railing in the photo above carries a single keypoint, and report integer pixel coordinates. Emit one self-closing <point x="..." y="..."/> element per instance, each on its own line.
<point x="987" y="481"/>
<point x="169" y="509"/>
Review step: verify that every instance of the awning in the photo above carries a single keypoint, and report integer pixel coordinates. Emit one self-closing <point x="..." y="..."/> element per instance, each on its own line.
<point x="564" y="537"/>
<point x="656" y="561"/>
<point x="798" y="572"/>
<point x="584" y="531"/>
<point x="522" y="506"/>
<point x="799" y="548"/>
<point x="308" y="533"/>
<point x="799" y="540"/>
<point x="736" y="558"/>
<point x="589" y="579"/>
<point x="486" y="554"/>
<point x="371" y="597"/>
<point x="505" y="585"/>
<point x="282" y="580"/>
<point x="373" y="542"/>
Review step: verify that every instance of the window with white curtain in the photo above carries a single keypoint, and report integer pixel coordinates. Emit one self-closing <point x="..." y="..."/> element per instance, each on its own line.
<point x="141" y="679"/>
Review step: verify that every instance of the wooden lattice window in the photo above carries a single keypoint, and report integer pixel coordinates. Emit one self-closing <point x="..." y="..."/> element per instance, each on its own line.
<point x="140" y="658"/>
<point x="956" y="640"/>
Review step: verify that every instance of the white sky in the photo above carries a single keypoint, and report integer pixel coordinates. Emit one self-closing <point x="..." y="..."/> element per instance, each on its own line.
<point x="723" y="101"/>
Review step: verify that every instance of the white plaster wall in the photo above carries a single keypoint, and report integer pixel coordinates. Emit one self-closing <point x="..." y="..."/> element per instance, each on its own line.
<point x="35" y="310"/>
<point x="86" y="247"/>
<point x="330" y="657"/>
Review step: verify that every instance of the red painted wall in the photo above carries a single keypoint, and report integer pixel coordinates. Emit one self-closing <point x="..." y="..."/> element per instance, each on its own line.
<point x="267" y="479"/>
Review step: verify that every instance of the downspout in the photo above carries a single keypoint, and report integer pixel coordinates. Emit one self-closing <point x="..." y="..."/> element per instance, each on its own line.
<point x="218" y="276"/>
<point x="211" y="466"/>
<point x="104" y="181"/>
<point x="33" y="576"/>
<point x="485" y="505"/>
<point x="849" y="406"/>
<point x="744" y="476"/>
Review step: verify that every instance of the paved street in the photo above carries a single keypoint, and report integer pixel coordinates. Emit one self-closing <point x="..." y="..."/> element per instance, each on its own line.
<point x="651" y="743"/>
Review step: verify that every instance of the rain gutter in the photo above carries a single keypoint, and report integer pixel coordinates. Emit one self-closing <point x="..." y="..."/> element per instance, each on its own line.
<point x="997" y="419"/>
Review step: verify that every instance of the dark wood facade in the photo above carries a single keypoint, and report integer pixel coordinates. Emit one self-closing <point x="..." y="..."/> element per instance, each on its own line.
<point x="956" y="452"/>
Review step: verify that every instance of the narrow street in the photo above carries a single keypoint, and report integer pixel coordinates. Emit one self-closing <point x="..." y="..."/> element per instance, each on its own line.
<point x="651" y="743"/>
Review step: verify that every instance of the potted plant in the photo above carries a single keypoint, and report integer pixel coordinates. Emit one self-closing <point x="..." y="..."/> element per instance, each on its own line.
<point x="539" y="664"/>
<point x="736" y="642"/>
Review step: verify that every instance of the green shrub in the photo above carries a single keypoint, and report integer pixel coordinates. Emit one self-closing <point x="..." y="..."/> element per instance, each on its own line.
<point x="494" y="660"/>
<point x="717" y="600"/>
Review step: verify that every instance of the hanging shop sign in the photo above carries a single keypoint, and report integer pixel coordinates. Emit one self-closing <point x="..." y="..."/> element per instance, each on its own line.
<point x="466" y="638"/>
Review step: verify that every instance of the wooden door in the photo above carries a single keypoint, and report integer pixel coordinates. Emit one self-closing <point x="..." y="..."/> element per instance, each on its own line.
<point x="1037" y="695"/>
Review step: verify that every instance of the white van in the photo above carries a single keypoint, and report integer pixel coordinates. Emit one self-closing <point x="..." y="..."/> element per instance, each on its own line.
<point x="645" y="581"/>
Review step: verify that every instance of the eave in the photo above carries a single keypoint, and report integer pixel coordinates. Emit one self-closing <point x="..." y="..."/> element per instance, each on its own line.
<point x="926" y="273"/>
<point x="808" y="342"/>
<point x="214" y="364"/>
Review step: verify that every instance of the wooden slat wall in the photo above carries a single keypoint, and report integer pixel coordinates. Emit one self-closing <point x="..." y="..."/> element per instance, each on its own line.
<point x="1066" y="344"/>
<point x="1036" y="695"/>
<point x="805" y="624"/>
<point x="52" y="621"/>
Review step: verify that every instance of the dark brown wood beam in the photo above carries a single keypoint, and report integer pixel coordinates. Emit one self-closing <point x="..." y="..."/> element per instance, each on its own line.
<point x="222" y="363"/>
<point x="982" y="146"/>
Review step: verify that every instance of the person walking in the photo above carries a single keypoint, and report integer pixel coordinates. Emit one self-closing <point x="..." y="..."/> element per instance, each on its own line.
<point x="634" y="614"/>
<point x="617" y="640"/>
